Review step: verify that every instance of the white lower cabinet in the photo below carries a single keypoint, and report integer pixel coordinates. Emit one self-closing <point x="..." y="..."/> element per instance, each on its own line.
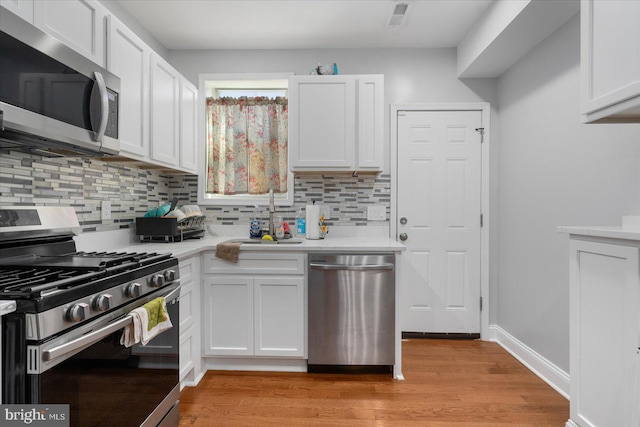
<point x="190" y="349"/>
<point x="252" y="313"/>
<point x="605" y="332"/>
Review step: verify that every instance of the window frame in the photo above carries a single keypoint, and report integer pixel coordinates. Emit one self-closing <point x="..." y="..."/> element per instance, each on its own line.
<point x="206" y="89"/>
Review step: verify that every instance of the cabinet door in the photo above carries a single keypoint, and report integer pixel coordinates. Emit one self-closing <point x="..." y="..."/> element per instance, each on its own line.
<point x="228" y="316"/>
<point x="22" y="8"/>
<point x="322" y="123"/>
<point x="370" y="123"/>
<point x="610" y="60"/>
<point x="128" y="57"/>
<point x="165" y="89"/>
<point x="604" y="298"/>
<point x="80" y="24"/>
<point x="187" y="355"/>
<point x="279" y="316"/>
<point x="190" y="320"/>
<point x="188" y="126"/>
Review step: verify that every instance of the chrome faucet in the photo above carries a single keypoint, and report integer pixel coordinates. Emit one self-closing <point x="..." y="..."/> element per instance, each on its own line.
<point x="272" y="210"/>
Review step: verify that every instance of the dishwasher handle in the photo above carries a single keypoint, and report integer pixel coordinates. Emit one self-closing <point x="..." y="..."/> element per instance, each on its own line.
<point x="352" y="267"/>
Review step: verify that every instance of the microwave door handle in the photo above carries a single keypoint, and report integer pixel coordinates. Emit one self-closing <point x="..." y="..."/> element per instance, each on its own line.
<point x="104" y="104"/>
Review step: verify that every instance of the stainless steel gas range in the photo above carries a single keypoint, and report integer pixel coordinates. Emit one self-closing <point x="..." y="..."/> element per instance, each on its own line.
<point x="62" y="344"/>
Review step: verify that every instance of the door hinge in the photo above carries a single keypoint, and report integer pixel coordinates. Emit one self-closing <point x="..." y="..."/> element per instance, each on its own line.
<point x="481" y="130"/>
<point x="480" y="303"/>
<point x="481" y="220"/>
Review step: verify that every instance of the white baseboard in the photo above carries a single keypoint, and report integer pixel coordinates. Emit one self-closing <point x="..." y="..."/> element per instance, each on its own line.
<point x="543" y="368"/>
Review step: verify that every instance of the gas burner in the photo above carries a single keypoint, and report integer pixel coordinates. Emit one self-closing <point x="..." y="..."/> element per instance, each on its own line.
<point x="34" y="276"/>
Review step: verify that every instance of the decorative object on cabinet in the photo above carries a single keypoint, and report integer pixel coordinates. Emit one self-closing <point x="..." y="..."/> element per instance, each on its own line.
<point x="325" y="70"/>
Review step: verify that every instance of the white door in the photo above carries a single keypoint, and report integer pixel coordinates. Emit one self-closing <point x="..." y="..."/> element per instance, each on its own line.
<point x="439" y="207"/>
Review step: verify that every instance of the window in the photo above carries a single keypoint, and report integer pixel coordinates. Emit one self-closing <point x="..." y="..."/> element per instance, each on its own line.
<point x="244" y="140"/>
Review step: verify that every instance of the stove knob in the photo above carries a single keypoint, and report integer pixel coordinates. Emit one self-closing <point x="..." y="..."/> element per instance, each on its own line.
<point x="132" y="290"/>
<point x="170" y="275"/>
<point x="156" y="280"/>
<point x="77" y="312"/>
<point x="102" y="302"/>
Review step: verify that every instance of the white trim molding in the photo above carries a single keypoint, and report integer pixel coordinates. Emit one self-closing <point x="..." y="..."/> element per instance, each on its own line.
<point x="548" y="372"/>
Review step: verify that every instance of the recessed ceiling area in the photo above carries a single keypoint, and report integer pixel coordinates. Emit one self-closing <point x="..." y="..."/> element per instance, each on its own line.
<point x="304" y="24"/>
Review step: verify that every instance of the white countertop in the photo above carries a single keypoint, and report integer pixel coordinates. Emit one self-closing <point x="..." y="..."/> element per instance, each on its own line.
<point x="187" y="248"/>
<point x="627" y="233"/>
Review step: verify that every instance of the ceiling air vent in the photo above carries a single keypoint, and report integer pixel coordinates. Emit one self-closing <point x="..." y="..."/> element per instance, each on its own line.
<point x="398" y="14"/>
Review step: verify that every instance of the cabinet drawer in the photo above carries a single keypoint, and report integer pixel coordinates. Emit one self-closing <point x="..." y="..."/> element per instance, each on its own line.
<point x="255" y="263"/>
<point x="188" y="270"/>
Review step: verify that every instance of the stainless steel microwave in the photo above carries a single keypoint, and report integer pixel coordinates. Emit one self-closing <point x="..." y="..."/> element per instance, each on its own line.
<point x="53" y="100"/>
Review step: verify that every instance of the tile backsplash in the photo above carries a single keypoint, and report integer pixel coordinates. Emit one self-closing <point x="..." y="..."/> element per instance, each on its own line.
<point x="83" y="183"/>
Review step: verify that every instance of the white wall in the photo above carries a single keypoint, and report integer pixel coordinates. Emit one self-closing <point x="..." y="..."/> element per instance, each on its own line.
<point x="552" y="171"/>
<point x="411" y="75"/>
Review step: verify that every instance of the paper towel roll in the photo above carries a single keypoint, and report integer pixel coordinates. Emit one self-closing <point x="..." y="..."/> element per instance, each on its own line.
<point x="313" y="220"/>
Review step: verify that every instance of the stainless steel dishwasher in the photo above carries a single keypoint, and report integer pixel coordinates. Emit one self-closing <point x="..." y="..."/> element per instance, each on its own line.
<point x="351" y="310"/>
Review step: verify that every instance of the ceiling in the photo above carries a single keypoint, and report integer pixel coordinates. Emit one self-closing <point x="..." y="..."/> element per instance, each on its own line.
<point x="304" y="24"/>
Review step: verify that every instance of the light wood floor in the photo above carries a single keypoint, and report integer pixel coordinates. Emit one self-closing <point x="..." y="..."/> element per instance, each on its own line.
<point x="447" y="383"/>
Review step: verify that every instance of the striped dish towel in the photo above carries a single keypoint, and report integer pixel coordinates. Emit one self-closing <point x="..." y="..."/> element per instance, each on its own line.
<point x="149" y="321"/>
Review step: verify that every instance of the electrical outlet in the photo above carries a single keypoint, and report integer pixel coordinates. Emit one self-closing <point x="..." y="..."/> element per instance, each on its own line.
<point x="376" y="213"/>
<point x="326" y="211"/>
<point x="106" y="209"/>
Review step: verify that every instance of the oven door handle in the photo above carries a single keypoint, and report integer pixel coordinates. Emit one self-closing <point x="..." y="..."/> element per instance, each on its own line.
<point x="95" y="336"/>
<point x="61" y="350"/>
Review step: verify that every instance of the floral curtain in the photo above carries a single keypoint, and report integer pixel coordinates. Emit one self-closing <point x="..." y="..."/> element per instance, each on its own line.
<point x="247" y="142"/>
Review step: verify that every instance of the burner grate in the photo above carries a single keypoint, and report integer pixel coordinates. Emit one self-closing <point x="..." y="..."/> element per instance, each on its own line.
<point x="22" y="281"/>
<point x="33" y="277"/>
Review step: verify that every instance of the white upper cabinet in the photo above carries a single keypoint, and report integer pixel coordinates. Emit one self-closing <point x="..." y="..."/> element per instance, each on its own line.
<point x="610" y="60"/>
<point x="335" y="123"/>
<point x="188" y="126"/>
<point x="128" y="57"/>
<point x="165" y="103"/>
<point x="370" y="142"/>
<point x="80" y="24"/>
<point x="22" y="8"/>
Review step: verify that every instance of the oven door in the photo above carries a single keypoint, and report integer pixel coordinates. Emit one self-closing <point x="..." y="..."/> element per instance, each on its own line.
<point x="107" y="384"/>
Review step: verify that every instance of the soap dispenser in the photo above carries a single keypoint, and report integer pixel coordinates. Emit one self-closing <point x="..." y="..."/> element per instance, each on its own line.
<point x="300" y="223"/>
<point x="279" y="228"/>
<point x="255" y="230"/>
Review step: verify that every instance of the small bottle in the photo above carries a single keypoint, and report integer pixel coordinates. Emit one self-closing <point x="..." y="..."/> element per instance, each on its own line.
<point x="279" y="228"/>
<point x="301" y="223"/>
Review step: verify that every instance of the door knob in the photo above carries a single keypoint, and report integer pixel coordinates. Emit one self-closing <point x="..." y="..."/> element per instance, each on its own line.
<point x="403" y="236"/>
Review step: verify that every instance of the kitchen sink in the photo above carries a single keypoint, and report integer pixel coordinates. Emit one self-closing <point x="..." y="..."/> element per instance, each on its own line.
<point x="268" y="242"/>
